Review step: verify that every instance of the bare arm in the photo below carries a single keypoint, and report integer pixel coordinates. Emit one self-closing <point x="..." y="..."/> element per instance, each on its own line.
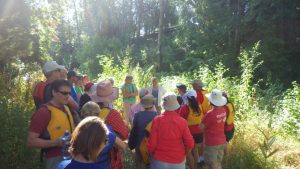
<point x="125" y="94"/>
<point x="202" y="127"/>
<point x="33" y="140"/>
<point x="119" y="143"/>
<point x="72" y="103"/>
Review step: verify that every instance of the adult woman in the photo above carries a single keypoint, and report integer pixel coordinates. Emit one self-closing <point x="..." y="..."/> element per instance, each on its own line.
<point x="129" y="92"/>
<point x="157" y="91"/>
<point x="193" y="113"/>
<point x="170" y="138"/>
<point x="88" y="139"/>
<point x="103" y="97"/>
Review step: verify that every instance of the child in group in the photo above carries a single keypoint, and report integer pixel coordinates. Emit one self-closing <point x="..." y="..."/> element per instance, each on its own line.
<point x="213" y="125"/>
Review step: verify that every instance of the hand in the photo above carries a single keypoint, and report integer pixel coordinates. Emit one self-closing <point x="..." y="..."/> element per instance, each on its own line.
<point x="58" y="142"/>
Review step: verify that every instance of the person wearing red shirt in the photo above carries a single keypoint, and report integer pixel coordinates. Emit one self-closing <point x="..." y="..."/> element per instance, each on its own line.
<point x="213" y="126"/>
<point x="104" y="96"/>
<point x="193" y="113"/>
<point x="170" y="139"/>
<point x="50" y="122"/>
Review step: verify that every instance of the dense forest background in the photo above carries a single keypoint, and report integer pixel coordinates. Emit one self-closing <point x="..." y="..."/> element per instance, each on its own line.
<point x="174" y="36"/>
<point x="248" y="48"/>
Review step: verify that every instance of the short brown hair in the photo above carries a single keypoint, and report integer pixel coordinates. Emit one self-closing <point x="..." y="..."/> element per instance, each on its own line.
<point x="87" y="138"/>
<point x="90" y="109"/>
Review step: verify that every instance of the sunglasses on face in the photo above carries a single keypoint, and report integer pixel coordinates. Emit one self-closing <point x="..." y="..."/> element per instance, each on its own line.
<point x="64" y="93"/>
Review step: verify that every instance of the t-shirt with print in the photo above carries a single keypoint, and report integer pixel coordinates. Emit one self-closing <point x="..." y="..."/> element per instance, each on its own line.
<point x="214" y="121"/>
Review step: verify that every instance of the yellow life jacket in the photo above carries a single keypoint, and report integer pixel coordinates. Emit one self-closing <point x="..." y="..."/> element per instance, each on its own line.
<point x="143" y="146"/>
<point x="205" y="104"/>
<point x="194" y="118"/>
<point x="231" y="114"/>
<point x="60" y="122"/>
<point x="104" y="113"/>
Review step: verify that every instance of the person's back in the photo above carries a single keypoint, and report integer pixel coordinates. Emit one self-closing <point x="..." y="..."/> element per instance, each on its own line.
<point x="170" y="137"/>
<point x="141" y="120"/>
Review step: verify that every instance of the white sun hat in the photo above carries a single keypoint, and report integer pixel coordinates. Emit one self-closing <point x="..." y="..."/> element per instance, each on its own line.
<point x="170" y="102"/>
<point x="216" y="98"/>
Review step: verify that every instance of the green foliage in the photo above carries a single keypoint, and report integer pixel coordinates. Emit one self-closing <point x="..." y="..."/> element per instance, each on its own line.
<point x="266" y="146"/>
<point x="16" y="107"/>
<point x="289" y="110"/>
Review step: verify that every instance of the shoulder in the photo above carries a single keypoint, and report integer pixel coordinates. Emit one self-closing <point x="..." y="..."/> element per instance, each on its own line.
<point x="43" y="111"/>
<point x="64" y="164"/>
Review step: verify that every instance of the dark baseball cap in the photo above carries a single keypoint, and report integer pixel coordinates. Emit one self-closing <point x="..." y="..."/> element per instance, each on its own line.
<point x="71" y="73"/>
<point x="181" y="86"/>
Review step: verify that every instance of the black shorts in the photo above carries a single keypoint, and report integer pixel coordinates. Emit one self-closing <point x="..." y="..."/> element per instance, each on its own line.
<point x="229" y="134"/>
<point x="198" y="138"/>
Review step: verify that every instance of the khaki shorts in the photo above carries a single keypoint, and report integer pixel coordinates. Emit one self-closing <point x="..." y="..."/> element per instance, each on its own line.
<point x="213" y="154"/>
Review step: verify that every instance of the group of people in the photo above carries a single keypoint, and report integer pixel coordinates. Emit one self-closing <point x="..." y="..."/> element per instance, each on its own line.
<point x="165" y="131"/>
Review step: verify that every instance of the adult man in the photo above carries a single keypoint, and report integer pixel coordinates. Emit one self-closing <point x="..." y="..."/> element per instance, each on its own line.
<point x="157" y="91"/>
<point x="52" y="71"/>
<point x="201" y="99"/>
<point x="181" y="91"/>
<point x="50" y="122"/>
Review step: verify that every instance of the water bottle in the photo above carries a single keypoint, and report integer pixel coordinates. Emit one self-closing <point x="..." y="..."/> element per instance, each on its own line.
<point x="66" y="143"/>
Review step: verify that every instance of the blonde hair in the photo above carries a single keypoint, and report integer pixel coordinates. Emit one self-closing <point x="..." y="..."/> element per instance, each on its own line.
<point x="90" y="109"/>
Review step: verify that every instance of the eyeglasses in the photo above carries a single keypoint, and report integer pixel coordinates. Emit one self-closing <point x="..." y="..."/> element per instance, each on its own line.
<point x="64" y="93"/>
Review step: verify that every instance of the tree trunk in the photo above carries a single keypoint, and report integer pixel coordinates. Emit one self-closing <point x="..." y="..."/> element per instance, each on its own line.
<point x="161" y="32"/>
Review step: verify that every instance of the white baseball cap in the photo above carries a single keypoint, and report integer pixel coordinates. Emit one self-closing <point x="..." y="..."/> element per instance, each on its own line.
<point x="191" y="93"/>
<point x="51" y="66"/>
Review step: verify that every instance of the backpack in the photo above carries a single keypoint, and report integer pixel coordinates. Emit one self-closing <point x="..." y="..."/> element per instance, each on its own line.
<point x="205" y="104"/>
<point x="143" y="146"/>
<point x="231" y="114"/>
<point x="39" y="94"/>
<point x="194" y="118"/>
